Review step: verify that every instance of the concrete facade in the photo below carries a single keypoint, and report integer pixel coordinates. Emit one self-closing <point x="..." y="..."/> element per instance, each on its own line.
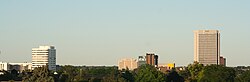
<point x="129" y="63"/>
<point x="222" y="61"/>
<point x="152" y="59"/>
<point x="44" y="55"/>
<point x="207" y="46"/>
<point x="141" y="61"/>
<point x="17" y="66"/>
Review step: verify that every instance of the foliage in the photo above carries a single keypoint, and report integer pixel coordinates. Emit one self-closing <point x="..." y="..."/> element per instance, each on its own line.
<point x="244" y="77"/>
<point x="128" y="75"/>
<point x="194" y="70"/>
<point x="40" y="74"/>
<point x="6" y="76"/>
<point x="148" y="73"/>
<point x="173" y="76"/>
<point x="185" y="74"/>
<point x="216" y="73"/>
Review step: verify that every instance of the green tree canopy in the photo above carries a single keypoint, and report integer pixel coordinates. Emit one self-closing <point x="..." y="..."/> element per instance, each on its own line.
<point x="217" y="73"/>
<point x="40" y="74"/>
<point x="148" y="73"/>
<point x="194" y="69"/>
<point x="244" y="77"/>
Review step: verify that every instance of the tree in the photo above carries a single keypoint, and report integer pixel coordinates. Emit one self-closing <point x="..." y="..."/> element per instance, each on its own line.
<point x="40" y="74"/>
<point x="6" y="76"/>
<point x="194" y="70"/>
<point x="68" y="73"/>
<point x="64" y="77"/>
<point x="117" y="76"/>
<point x="185" y="74"/>
<point x="127" y="75"/>
<point x="173" y="76"/>
<point x="148" y="73"/>
<point x="244" y="77"/>
<point x="217" y="73"/>
<point x="14" y="74"/>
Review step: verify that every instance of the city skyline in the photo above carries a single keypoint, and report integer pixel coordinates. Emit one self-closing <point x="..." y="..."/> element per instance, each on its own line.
<point x="86" y="31"/>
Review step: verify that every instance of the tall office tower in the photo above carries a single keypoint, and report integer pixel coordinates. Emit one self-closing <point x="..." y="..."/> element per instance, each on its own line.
<point x="129" y="63"/>
<point x="44" y="55"/>
<point x="207" y="46"/>
<point x="152" y="59"/>
<point x="141" y="61"/>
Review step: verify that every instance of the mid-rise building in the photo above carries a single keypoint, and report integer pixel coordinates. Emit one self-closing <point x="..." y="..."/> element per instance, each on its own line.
<point x="152" y="59"/>
<point x="207" y="46"/>
<point x="129" y="63"/>
<point x="141" y="61"/>
<point x="222" y="61"/>
<point x="44" y="56"/>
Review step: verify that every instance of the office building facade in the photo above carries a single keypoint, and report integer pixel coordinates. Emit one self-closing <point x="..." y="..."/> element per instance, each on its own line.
<point x="141" y="61"/>
<point x="17" y="66"/>
<point x="152" y="59"/>
<point x="129" y="63"/>
<point x="222" y="61"/>
<point x="44" y="56"/>
<point x="207" y="46"/>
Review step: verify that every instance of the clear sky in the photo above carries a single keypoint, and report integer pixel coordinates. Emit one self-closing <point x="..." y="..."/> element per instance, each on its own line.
<point x="100" y="32"/>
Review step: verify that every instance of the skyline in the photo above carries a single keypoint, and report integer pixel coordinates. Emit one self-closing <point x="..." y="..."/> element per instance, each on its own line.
<point x="86" y="31"/>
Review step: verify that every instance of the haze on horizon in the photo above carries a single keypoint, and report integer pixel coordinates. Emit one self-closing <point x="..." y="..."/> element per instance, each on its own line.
<point x="104" y="31"/>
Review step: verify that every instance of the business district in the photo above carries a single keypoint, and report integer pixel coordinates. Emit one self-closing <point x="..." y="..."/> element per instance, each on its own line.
<point x="206" y="52"/>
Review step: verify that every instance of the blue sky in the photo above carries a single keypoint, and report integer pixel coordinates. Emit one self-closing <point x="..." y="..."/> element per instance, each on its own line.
<point x="100" y="32"/>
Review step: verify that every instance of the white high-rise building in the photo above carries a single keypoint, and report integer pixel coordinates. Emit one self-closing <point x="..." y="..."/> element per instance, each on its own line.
<point x="44" y="55"/>
<point x="207" y="46"/>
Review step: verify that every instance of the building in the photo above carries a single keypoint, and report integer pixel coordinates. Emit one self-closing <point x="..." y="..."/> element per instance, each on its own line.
<point x="129" y="63"/>
<point x="4" y="66"/>
<point x="141" y="61"/>
<point x="222" y="61"/>
<point x="166" y="67"/>
<point x="152" y="59"/>
<point x="17" y="66"/>
<point x="207" y="46"/>
<point x="44" y="55"/>
<point x="20" y="66"/>
<point x="171" y="66"/>
<point x="163" y="68"/>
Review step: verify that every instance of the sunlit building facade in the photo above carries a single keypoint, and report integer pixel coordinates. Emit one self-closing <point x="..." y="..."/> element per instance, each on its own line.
<point x="222" y="61"/>
<point x="207" y="46"/>
<point x="152" y="59"/>
<point x="44" y="55"/>
<point x="17" y="66"/>
<point x="129" y="63"/>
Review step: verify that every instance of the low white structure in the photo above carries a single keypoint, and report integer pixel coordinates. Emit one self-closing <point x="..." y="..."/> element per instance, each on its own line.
<point x="4" y="66"/>
<point x="21" y="66"/>
<point x="129" y="63"/>
<point x="17" y="66"/>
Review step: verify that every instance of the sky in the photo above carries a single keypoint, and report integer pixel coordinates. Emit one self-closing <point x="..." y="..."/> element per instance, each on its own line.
<point x="100" y="32"/>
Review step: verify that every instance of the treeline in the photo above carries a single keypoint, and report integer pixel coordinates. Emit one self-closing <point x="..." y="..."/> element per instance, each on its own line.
<point x="193" y="73"/>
